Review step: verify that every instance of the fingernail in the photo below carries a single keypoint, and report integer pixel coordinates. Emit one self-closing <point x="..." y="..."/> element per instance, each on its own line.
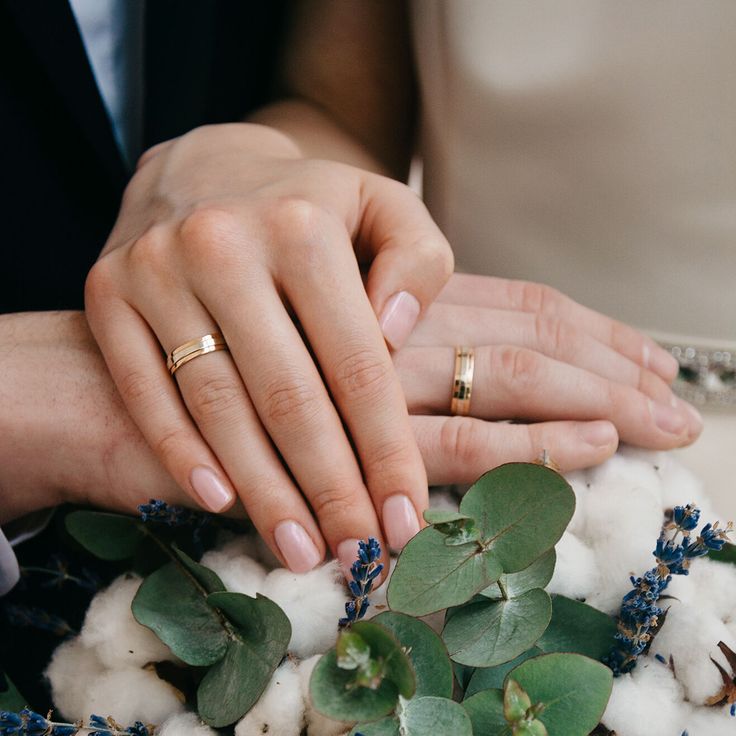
<point x="347" y="553"/>
<point x="667" y="418"/>
<point x="399" y="318"/>
<point x="661" y="362"/>
<point x="296" y="546"/>
<point x="696" y="418"/>
<point x="597" y="434"/>
<point x="213" y="493"/>
<point x="399" y="521"/>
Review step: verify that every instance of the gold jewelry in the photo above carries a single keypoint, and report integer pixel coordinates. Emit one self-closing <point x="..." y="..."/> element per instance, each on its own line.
<point x="463" y="384"/>
<point x="193" y="349"/>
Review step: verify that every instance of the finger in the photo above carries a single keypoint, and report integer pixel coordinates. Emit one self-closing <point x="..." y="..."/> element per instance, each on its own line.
<point x="524" y="296"/>
<point x="340" y="326"/>
<point x="410" y="258"/>
<point x="138" y="367"/>
<point x="452" y="324"/>
<point x="461" y="449"/>
<point x="296" y="411"/>
<point x="513" y="382"/>
<point x="216" y="398"/>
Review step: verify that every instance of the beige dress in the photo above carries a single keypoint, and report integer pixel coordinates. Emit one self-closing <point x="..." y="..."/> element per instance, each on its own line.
<point x="591" y="145"/>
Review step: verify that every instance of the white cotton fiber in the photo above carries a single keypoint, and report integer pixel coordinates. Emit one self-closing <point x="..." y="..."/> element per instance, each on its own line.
<point x="316" y="723"/>
<point x="314" y="602"/>
<point x="184" y="724"/>
<point x="280" y="709"/>
<point x="690" y="635"/>
<point x="110" y="629"/>
<point x="575" y="574"/>
<point x="239" y="573"/>
<point x="72" y="670"/>
<point x="715" y="586"/>
<point x="579" y="481"/>
<point x="708" y="722"/>
<point x="649" y="705"/>
<point x="130" y="695"/>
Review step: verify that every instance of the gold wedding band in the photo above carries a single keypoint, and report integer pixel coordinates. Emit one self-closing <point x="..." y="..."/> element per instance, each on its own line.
<point x="463" y="384"/>
<point x="193" y="349"/>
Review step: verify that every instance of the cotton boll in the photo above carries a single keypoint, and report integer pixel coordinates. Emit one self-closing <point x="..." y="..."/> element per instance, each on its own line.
<point x="691" y="635"/>
<point x="575" y="572"/>
<point x="130" y="695"/>
<point x="317" y="724"/>
<point x="579" y="483"/>
<point x="705" y="721"/>
<point x="681" y="486"/>
<point x="72" y="670"/>
<point x="239" y="573"/>
<point x="109" y="628"/>
<point x="649" y="705"/>
<point x="279" y="710"/>
<point x="184" y="724"/>
<point x="232" y="546"/>
<point x="716" y="583"/>
<point x="313" y="601"/>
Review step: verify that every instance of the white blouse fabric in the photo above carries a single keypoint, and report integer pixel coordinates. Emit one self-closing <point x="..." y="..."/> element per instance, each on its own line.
<point x="591" y="145"/>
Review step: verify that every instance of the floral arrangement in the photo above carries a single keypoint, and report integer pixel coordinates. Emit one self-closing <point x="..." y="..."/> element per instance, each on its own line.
<point x="507" y="615"/>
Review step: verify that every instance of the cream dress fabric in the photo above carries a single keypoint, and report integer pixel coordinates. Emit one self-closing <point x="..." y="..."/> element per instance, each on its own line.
<point x="591" y="145"/>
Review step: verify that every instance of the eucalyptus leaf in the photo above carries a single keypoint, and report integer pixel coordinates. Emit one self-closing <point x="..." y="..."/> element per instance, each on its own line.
<point x="486" y="713"/>
<point x="352" y="651"/>
<point x="522" y="509"/>
<point x="579" y="628"/>
<point x="335" y="692"/>
<point x="110" y="537"/>
<point x="430" y="576"/>
<point x="384" y="727"/>
<point x="457" y="528"/>
<point x="173" y="604"/>
<point x="537" y="575"/>
<point x="207" y="579"/>
<point x="488" y="633"/>
<point x="573" y="689"/>
<point x="258" y="640"/>
<point x="426" y="651"/>
<point x="726" y="554"/>
<point x="444" y="516"/>
<point x="486" y="678"/>
<point x="431" y="715"/>
<point x="516" y="701"/>
<point x="10" y="697"/>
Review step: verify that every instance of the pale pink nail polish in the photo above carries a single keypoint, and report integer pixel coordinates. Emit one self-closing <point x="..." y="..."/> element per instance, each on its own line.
<point x="213" y="493"/>
<point x="296" y="546"/>
<point x="399" y="317"/>
<point x="347" y="553"/>
<point x="400" y="521"/>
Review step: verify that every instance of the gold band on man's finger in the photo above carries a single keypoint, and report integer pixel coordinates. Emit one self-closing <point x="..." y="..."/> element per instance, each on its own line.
<point x="193" y="349"/>
<point x="463" y="384"/>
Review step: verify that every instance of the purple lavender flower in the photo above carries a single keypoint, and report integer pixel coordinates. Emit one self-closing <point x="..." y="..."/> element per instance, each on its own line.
<point x="364" y="571"/>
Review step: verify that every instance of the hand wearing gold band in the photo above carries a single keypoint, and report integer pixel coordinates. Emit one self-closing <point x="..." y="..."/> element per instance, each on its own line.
<point x="193" y="349"/>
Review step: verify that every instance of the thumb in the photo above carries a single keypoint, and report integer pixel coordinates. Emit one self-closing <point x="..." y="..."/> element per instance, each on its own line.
<point x="410" y="259"/>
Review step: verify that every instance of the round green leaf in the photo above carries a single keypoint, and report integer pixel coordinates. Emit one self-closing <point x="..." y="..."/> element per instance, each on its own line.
<point x="485" y="710"/>
<point x="173" y="604"/>
<point x="427" y="653"/>
<point x="574" y="690"/>
<point x="259" y="638"/>
<point x="522" y="509"/>
<point x="486" y="678"/>
<point x="430" y="715"/>
<point x="537" y="575"/>
<point x="488" y="633"/>
<point x="579" y="628"/>
<point x="516" y="701"/>
<point x="430" y="575"/>
<point x="110" y="537"/>
<point x="384" y="727"/>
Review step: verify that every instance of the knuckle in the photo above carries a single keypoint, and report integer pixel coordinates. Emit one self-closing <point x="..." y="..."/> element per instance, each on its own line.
<point x="437" y="255"/>
<point x="362" y="374"/>
<point x="554" y="336"/>
<point x="461" y="441"/>
<point x="334" y="502"/>
<point x="214" y="398"/>
<point x="149" y="252"/>
<point x="290" y="403"/>
<point x="171" y="445"/>
<point x="139" y="387"/>
<point x="296" y="217"/>
<point x="538" y="297"/>
<point x="207" y="233"/>
<point x="99" y="284"/>
<point x="519" y="368"/>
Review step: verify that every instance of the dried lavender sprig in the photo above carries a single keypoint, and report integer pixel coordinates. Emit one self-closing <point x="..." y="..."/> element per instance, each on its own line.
<point x="363" y="572"/>
<point x="639" y="615"/>
<point x="161" y="512"/>
<point x="30" y="723"/>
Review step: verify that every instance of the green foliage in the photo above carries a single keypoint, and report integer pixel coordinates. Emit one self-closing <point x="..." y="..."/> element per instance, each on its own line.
<point x="110" y="537"/>
<point x="485" y="678"/>
<point x="485" y="710"/>
<point x="10" y="698"/>
<point x="419" y="717"/>
<point x="520" y="510"/>
<point x="363" y="688"/>
<point x="537" y="575"/>
<point x="726" y="554"/>
<point x="457" y="528"/>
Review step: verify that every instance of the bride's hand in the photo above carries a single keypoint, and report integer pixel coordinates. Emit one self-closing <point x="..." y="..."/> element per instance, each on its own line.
<point x="228" y="229"/>
<point x="578" y="379"/>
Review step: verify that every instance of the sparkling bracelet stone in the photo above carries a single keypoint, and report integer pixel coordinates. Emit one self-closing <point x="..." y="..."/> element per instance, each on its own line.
<point x="707" y="376"/>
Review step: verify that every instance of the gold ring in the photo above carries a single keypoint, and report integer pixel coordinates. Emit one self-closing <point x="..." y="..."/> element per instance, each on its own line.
<point x="193" y="349"/>
<point x="462" y="387"/>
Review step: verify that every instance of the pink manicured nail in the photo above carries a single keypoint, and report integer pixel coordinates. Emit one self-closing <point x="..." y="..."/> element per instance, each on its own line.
<point x="399" y="317"/>
<point x="399" y="521"/>
<point x="597" y="434"/>
<point x="347" y="553"/>
<point x="296" y="546"/>
<point x="667" y="418"/>
<point x="213" y="493"/>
